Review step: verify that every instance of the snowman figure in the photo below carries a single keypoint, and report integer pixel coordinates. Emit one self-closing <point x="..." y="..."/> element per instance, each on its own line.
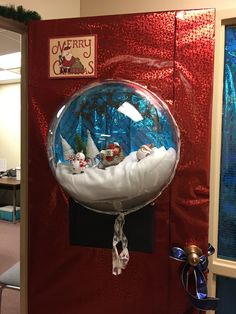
<point x="144" y="151"/>
<point x="78" y="163"/>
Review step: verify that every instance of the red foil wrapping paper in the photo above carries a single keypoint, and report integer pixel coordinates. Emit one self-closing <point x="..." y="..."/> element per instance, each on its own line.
<point x="172" y="54"/>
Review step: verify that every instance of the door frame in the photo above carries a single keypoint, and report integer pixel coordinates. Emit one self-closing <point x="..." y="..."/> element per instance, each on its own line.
<point x="22" y="29"/>
<point x="217" y="265"/>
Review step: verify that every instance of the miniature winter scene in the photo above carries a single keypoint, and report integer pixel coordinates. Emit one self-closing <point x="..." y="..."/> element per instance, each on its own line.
<point x="114" y="146"/>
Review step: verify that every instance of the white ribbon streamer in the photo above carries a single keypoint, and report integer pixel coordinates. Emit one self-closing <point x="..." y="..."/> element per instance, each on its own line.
<point x="119" y="261"/>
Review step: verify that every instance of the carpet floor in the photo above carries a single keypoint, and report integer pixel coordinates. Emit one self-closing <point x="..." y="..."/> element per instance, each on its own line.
<point x="9" y="255"/>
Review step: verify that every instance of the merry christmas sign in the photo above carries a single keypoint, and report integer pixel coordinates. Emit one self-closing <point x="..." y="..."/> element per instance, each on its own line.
<point x="72" y="57"/>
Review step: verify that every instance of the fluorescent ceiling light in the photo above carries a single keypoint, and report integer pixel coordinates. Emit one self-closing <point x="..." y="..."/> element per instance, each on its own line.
<point x="130" y="111"/>
<point x="10" y="61"/>
<point x="8" y="75"/>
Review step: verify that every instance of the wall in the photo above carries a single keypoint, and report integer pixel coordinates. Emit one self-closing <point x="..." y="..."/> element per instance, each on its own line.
<point x="10" y="144"/>
<point x="50" y="9"/>
<point x="104" y="7"/>
<point x="10" y="124"/>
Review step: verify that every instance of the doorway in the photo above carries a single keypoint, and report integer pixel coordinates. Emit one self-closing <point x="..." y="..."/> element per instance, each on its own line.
<point x="16" y="34"/>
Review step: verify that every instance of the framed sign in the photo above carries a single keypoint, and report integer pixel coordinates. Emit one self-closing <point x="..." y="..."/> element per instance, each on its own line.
<point x="73" y="57"/>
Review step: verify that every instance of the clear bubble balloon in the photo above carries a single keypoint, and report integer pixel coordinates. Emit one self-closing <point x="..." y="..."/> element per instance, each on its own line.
<point x="113" y="146"/>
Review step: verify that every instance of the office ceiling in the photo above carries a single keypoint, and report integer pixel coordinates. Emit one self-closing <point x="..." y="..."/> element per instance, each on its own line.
<point x="9" y="42"/>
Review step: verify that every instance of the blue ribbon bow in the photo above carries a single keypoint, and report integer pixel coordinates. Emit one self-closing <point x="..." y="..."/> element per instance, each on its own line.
<point x="201" y="301"/>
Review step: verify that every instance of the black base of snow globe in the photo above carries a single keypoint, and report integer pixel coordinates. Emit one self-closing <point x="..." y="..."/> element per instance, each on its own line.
<point x="88" y="228"/>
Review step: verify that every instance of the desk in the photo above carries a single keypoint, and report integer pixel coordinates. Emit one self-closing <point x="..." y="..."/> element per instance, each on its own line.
<point x="11" y="184"/>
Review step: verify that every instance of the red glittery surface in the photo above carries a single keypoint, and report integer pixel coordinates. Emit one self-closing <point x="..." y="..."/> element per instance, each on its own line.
<point x="172" y="54"/>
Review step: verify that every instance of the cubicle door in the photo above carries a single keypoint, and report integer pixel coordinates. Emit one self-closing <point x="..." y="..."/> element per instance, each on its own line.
<point x="170" y="53"/>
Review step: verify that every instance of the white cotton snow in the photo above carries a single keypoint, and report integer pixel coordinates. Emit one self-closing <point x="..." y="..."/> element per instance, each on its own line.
<point x="127" y="186"/>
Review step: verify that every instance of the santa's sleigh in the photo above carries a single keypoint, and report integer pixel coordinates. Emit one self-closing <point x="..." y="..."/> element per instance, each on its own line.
<point x="74" y="68"/>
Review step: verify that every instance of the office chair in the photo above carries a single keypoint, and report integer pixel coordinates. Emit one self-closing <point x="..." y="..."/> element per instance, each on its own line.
<point x="10" y="279"/>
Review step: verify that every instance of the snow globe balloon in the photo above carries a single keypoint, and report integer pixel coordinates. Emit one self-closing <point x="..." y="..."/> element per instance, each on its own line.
<point x="113" y="147"/>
